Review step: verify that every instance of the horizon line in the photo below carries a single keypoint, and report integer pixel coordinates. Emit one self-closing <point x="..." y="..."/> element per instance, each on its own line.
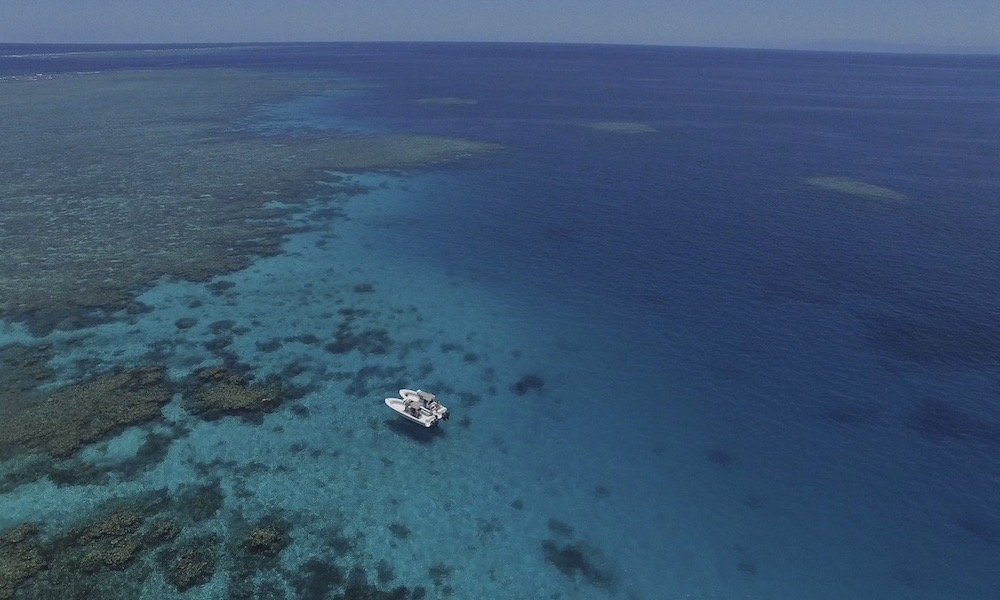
<point x="827" y="46"/>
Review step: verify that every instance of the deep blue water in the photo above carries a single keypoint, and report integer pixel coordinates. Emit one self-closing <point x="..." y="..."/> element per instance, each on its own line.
<point x="794" y="389"/>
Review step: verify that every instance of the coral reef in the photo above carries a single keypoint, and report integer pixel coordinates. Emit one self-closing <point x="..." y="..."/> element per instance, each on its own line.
<point x="853" y="187"/>
<point x="192" y="564"/>
<point x="527" y="383"/>
<point x="185" y="323"/>
<point x="114" y="552"/>
<point x="79" y="162"/>
<point x="448" y="101"/>
<point x="939" y="421"/>
<point x="160" y="532"/>
<point x="92" y="559"/>
<point x="20" y="558"/>
<point x="358" y="588"/>
<point x="399" y="530"/>
<point x="267" y="538"/>
<point x="316" y="578"/>
<point x="561" y="528"/>
<point x="22" y="369"/>
<point x="85" y="412"/>
<point x="574" y="560"/>
<point x="621" y="127"/>
<point x="369" y="341"/>
<point x="214" y="392"/>
<point x="719" y="457"/>
<point x="201" y="502"/>
<point x="937" y="334"/>
<point x="745" y="564"/>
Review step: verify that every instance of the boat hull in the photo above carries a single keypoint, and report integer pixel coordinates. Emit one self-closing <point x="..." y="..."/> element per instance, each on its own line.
<point x="396" y="404"/>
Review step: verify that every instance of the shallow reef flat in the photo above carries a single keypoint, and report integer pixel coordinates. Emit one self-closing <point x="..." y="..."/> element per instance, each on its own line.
<point x="114" y="180"/>
<point x="621" y="127"/>
<point x="853" y="187"/>
<point x="448" y="101"/>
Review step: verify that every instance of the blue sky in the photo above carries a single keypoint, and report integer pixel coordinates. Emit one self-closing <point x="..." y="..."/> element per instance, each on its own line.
<point x="754" y="23"/>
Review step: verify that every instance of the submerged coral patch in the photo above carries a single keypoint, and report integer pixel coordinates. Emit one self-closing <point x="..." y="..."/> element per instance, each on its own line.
<point x="940" y="421"/>
<point x="621" y="127"/>
<point x="853" y="187"/>
<point x="192" y="564"/>
<point x="448" y="101"/>
<point x="936" y="335"/>
<point x="719" y="457"/>
<point x="20" y="558"/>
<point x="369" y="341"/>
<point x="527" y="383"/>
<point x="576" y="561"/>
<point x="214" y="392"/>
<point x="86" y="412"/>
<point x="267" y="538"/>
<point x="22" y="369"/>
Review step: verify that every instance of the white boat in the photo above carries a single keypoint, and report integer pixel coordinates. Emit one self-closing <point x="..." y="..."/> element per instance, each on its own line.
<point x="418" y="406"/>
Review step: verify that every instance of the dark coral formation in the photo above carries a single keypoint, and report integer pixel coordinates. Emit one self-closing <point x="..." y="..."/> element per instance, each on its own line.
<point x="214" y="392"/>
<point x="373" y="377"/>
<point x="100" y="557"/>
<point x="268" y="538"/>
<point x="192" y="564"/>
<point x="527" y="383"/>
<point x="218" y="343"/>
<point x="399" y="530"/>
<point x="439" y="573"/>
<point x="745" y="564"/>
<point x="201" y="502"/>
<point x="468" y="399"/>
<point x="77" y="471"/>
<point x="940" y="421"/>
<point x="22" y="368"/>
<point x="160" y="532"/>
<point x="318" y="579"/>
<point x="20" y="558"/>
<point x="370" y="341"/>
<point x="86" y="412"/>
<point x="719" y="457"/>
<point x="185" y="323"/>
<point x="981" y="527"/>
<point x="110" y="543"/>
<point x="937" y="334"/>
<point x="358" y="587"/>
<point x="560" y="528"/>
<point x="115" y="552"/>
<point x="576" y="561"/>
<point x="270" y="345"/>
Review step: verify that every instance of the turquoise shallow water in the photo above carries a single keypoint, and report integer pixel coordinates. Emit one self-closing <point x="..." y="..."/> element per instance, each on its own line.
<point x="757" y="380"/>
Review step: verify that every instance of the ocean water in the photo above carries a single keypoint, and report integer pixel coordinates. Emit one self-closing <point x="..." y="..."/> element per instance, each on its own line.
<point x="711" y="323"/>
